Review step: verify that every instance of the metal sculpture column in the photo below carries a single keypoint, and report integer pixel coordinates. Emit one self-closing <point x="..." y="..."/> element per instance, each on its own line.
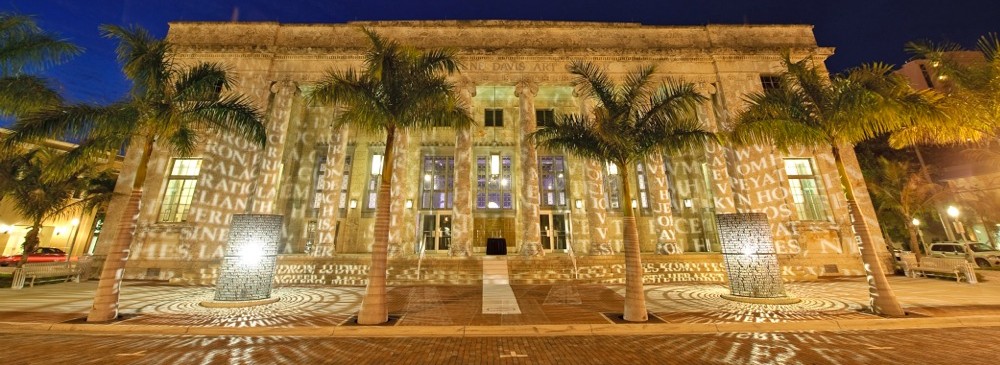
<point x="247" y="270"/>
<point x="751" y="261"/>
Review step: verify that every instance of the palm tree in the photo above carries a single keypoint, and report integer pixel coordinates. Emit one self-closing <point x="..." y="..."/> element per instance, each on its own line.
<point x="905" y="193"/>
<point x="807" y="109"/>
<point x="397" y="88"/>
<point x="169" y="106"/>
<point x="634" y="119"/>
<point x="25" y="48"/>
<point x="39" y="193"/>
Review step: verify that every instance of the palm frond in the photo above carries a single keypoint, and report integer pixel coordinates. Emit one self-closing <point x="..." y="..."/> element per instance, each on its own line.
<point x="24" y="47"/>
<point x="204" y="81"/>
<point x="23" y="94"/>
<point x="989" y="45"/>
<point x="233" y="114"/>
<point x="594" y="81"/>
<point x="144" y="58"/>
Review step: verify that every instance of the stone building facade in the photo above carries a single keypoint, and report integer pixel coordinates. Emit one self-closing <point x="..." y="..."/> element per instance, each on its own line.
<point x="454" y="190"/>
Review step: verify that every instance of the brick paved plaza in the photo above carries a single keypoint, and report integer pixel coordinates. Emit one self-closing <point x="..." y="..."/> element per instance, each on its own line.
<point x="554" y="324"/>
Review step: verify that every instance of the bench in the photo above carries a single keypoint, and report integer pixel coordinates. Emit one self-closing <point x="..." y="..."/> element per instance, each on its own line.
<point x="943" y="267"/>
<point x="44" y="270"/>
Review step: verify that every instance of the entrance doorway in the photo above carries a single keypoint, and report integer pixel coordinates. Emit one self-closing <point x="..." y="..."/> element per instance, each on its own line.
<point x="493" y="227"/>
<point x="553" y="229"/>
<point x="436" y="232"/>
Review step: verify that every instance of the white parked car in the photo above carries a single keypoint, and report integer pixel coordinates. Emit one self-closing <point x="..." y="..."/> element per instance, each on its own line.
<point x="975" y="252"/>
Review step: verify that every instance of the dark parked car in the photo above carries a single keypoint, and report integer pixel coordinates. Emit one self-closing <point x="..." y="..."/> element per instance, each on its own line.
<point x="41" y="254"/>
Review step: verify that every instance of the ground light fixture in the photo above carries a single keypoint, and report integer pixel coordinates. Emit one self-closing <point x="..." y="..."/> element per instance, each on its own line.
<point x="751" y="260"/>
<point x="247" y="270"/>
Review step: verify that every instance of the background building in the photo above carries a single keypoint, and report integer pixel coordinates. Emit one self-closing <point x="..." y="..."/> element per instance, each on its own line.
<point x="324" y="180"/>
<point x="74" y="232"/>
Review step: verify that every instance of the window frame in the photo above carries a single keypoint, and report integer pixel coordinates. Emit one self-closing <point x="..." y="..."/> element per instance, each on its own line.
<point x="185" y="192"/>
<point x="430" y="172"/>
<point x="490" y="117"/>
<point x="561" y="180"/>
<point x="541" y="115"/>
<point x="813" y="207"/>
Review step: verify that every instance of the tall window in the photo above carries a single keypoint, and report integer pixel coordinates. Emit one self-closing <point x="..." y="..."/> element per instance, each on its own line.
<point x="805" y="189"/>
<point x="493" y="182"/>
<point x="545" y="117"/>
<point x="373" y="181"/>
<point x="180" y="189"/>
<point x="438" y="182"/>
<point x="345" y="182"/>
<point x="642" y="185"/>
<point x="493" y="118"/>
<point x="770" y="82"/>
<point x="318" y="183"/>
<point x="613" y="186"/>
<point x="553" y="181"/>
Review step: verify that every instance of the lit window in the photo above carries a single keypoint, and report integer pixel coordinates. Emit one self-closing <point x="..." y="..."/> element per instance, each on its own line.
<point x="545" y="117"/>
<point x="180" y="189"/>
<point x="438" y="182"/>
<point x="805" y="189"/>
<point x="374" y="179"/>
<point x="345" y="183"/>
<point x="319" y="172"/>
<point x="493" y="118"/>
<point x="493" y="182"/>
<point x="642" y="185"/>
<point x="613" y="186"/>
<point x="552" y="182"/>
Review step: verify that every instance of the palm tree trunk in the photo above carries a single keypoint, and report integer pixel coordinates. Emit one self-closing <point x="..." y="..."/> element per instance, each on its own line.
<point x="105" y="307"/>
<point x="30" y="242"/>
<point x="374" y="309"/>
<point x="635" y="295"/>
<point x="882" y="298"/>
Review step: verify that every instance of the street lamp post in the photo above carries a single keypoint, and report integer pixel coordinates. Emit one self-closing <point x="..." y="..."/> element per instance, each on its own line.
<point x="953" y="212"/>
<point x="72" y="241"/>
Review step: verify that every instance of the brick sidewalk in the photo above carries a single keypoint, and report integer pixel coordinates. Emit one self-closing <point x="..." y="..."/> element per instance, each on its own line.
<point x="145" y="303"/>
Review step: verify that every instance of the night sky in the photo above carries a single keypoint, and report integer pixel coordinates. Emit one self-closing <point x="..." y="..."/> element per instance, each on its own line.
<point x="861" y="31"/>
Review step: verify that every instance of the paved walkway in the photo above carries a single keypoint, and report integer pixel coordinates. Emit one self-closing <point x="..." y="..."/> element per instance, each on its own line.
<point x="542" y="309"/>
<point x="498" y="297"/>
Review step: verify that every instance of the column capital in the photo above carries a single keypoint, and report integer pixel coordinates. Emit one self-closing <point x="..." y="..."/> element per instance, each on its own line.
<point x="466" y="85"/>
<point x="705" y="88"/>
<point x="284" y="87"/>
<point x="526" y="88"/>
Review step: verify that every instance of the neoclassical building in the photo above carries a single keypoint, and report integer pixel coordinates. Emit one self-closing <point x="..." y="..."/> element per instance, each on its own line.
<point x="451" y="191"/>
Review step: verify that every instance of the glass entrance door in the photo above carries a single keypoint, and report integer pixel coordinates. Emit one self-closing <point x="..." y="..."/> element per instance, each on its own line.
<point x="553" y="228"/>
<point x="436" y="231"/>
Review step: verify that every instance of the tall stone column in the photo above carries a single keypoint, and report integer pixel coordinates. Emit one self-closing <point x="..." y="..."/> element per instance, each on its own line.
<point x="326" y="220"/>
<point x="531" y="239"/>
<point x="399" y="192"/>
<point x="713" y="118"/>
<point x="461" y="217"/>
<point x="596" y="202"/>
<point x="270" y="161"/>
<point x="659" y="193"/>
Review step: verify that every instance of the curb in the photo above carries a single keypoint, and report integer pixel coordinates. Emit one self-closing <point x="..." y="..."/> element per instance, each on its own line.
<point x="509" y="331"/>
